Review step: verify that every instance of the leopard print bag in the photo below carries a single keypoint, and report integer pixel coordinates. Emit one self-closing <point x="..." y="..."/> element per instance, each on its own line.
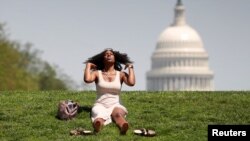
<point x="67" y="109"/>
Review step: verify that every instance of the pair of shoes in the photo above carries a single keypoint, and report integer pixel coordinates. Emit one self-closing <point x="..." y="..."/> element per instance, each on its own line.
<point x="80" y="131"/>
<point x="145" y="132"/>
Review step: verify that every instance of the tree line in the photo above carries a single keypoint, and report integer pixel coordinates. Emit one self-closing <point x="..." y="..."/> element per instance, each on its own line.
<point x="21" y="68"/>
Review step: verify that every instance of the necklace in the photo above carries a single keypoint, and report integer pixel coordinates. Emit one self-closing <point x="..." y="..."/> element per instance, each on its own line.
<point x="108" y="75"/>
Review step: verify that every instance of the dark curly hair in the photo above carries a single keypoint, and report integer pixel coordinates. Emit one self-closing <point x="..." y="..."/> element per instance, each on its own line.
<point x="120" y="58"/>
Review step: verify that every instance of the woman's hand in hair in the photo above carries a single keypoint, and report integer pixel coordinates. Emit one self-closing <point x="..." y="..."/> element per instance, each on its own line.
<point x="91" y="66"/>
<point x="128" y="66"/>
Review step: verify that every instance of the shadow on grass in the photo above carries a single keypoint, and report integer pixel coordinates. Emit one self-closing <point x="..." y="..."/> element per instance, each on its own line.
<point x="85" y="109"/>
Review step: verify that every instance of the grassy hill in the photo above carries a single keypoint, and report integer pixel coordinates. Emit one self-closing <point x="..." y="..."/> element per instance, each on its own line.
<point x="175" y="116"/>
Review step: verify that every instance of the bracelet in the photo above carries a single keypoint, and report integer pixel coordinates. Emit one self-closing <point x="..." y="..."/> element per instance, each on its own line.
<point x="131" y="66"/>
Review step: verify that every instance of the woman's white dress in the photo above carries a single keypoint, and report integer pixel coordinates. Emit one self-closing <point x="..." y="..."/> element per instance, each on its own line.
<point x="107" y="98"/>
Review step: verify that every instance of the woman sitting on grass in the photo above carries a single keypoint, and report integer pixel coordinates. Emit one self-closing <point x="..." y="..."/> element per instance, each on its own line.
<point x="106" y="71"/>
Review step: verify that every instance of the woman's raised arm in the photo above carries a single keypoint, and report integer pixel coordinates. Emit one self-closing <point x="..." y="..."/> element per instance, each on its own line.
<point x="90" y="74"/>
<point x="129" y="78"/>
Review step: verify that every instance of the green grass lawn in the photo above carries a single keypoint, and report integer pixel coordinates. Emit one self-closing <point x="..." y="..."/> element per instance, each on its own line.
<point x="175" y="116"/>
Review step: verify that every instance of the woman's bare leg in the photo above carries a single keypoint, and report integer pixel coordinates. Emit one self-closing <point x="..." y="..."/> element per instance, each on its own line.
<point x="118" y="116"/>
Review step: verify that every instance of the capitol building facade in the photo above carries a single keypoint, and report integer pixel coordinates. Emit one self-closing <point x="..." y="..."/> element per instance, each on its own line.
<point x="179" y="61"/>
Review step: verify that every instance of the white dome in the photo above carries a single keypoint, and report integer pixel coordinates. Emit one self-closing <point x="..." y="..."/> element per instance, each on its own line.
<point x="179" y="34"/>
<point x="179" y="62"/>
<point x="179" y="38"/>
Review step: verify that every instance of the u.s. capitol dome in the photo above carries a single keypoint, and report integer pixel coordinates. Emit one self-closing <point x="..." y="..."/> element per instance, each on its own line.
<point x="179" y="61"/>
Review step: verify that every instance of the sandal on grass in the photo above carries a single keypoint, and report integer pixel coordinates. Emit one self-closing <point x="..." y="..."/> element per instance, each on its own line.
<point x="80" y="131"/>
<point x="145" y="132"/>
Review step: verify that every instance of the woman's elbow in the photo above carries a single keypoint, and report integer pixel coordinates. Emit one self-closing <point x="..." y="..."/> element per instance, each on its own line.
<point x="132" y="83"/>
<point x="87" y="80"/>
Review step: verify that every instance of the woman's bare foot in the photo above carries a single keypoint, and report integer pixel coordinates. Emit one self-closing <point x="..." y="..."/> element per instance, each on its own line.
<point x="97" y="126"/>
<point x="124" y="128"/>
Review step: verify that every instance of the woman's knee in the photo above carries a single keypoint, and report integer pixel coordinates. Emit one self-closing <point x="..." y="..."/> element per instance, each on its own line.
<point x="118" y="112"/>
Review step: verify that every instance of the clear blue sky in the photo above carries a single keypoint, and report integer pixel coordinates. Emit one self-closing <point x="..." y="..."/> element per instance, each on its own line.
<point x="70" y="31"/>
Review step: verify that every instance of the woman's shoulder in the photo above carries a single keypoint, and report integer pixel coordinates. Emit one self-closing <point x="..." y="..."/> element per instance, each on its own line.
<point x="96" y="72"/>
<point x="122" y="73"/>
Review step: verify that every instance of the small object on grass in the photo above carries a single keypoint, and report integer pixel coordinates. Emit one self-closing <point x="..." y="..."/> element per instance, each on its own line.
<point x="145" y="132"/>
<point x="80" y="131"/>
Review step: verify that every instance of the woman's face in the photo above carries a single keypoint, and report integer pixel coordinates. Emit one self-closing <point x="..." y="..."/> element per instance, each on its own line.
<point x="109" y="57"/>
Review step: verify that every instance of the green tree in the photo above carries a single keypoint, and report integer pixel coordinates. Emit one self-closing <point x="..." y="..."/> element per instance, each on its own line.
<point x="22" y="69"/>
<point x="12" y="77"/>
<point x="48" y="79"/>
